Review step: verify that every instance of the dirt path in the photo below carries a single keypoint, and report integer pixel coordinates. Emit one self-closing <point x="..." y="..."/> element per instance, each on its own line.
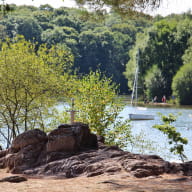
<point x="103" y="183"/>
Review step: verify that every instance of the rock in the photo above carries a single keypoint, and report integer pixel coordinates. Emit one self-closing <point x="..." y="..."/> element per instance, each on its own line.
<point x="14" y="179"/>
<point x="3" y="153"/>
<point x="140" y="168"/>
<point x="141" y="173"/>
<point x="186" y="168"/>
<point x="30" y="137"/>
<point x="71" y="138"/>
<point x="178" y="180"/>
<point x="27" y="157"/>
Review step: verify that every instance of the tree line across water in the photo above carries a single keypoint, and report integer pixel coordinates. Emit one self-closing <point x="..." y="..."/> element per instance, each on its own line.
<point x="110" y="44"/>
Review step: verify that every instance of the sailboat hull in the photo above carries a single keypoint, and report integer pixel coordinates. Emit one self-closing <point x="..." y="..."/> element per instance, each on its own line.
<point x="140" y="117"/>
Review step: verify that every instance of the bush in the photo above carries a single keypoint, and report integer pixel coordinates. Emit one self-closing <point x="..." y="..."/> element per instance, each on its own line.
<point x="182" y="85"/>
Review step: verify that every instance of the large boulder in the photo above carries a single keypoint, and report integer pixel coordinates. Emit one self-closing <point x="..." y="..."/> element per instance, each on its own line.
<point x="62" y="139"/>
<point x="71" y="138"/>
<point x="25" y="151"/>
<point x="30" y="137"/>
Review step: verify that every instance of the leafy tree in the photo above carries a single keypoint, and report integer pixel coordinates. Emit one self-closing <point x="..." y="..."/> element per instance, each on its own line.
<point x="61" y="11"/>
<point x="26" y="26"/>
<point x="140" y="45"/>
<point x="64" y="21"/>
<point x="46" y="7"/>
<point x="57" y="57"/>
<point x="29" y="86"/>
<point x="162" y="45"/>
<point x="2" y="32"/>
<point x="60" y="35"/>
<point x="104" y="50"/>
<point x="164" y="51"/>
<point x="53" y="36"/>
<point x="42" y="16"/>
<point x="154" y="83"/>
<point x="97" y="105"/>
<point x="30" y="29"/>
<point x="182" y="84"/>
<point x="93" y="96"/>
<point x="188" y="53"/>
<point x="123" y="7"/>
<point x="174" y="137"/>
<point x="5" y="8"/>
<point x="44" y="19"/>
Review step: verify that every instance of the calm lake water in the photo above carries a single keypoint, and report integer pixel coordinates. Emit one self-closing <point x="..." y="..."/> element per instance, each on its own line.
<point x="158" y="140"/>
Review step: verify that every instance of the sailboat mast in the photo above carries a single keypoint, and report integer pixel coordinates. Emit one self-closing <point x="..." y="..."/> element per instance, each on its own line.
<point x="135" y="85"/>
<point x="137" y="73"/>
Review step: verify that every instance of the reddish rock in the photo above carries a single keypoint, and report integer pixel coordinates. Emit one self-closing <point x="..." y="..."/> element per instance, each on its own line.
<point x="71" y="138"/>
<point x="30" y="137"/>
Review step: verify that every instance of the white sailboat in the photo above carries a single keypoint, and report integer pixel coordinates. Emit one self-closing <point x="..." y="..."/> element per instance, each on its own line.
<point x="134" y="96"/>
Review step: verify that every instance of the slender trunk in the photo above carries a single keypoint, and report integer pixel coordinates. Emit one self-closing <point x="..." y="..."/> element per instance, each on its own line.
<point x="26" y="111"/>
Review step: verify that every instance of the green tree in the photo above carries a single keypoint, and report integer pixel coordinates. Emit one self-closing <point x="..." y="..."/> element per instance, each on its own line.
<point x="97" y="104"/>
<point x="163" y="45"/>
<point x="154" y="83"/>
<point x="64" y="21"/>
<point x="174" y="137"/>
<point x="29" y="86"/>
<point x="123" y="6"/>
<point x="140" y="45"/>
<point x="58" y="57"/>
<point x="182" y="84"/>
<point x="23" y="25"/>
<point x="46" y="7"/>
<point x="104" y="50"/>
<point x="44" y="19"/>
<point x="30" y="29"/>
<point x="188" y="52"/>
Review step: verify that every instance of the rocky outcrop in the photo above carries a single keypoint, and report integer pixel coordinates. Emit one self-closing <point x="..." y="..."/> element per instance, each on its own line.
<point x="72" y="151"/>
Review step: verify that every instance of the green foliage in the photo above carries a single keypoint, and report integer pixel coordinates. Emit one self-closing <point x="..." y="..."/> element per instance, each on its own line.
<point x="64" y="21"/>
<point x="104" y="50"/>
<point x="97" y="105"/>
<point x="141" y="43"/>
<point x="123" y="7"/>
<point x="182" y="84"/>
<point x="95" y="44"/>
<point x="162" y="45"/>
<point x="174" y="137"/>
<point x="119" y="134"/>
<point x="154" y="83"/>
<point x="29" y="86"/>
<point x="61" y="35"/>
<point x="110" y="43"/>
<point x="142" y="145"/>
<point x="30" y="29"/>
<point x="95" y="100"/>
<point x="57" y="57"/>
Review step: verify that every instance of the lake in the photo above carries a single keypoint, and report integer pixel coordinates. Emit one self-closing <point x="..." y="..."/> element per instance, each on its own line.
<point x="158" y="140"/>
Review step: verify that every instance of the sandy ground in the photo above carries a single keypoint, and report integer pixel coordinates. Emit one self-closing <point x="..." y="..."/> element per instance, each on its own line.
<point x="104" y="183"/>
